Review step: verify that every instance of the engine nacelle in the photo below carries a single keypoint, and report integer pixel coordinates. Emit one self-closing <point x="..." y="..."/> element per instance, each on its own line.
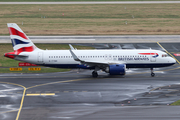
<point x="117" y="69"/>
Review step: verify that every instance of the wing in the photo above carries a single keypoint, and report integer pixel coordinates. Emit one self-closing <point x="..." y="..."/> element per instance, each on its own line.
<point x="95" y="63"/>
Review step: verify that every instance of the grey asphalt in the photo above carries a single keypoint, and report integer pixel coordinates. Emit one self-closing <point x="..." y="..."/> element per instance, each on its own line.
<point x="101" y="39"/>
<point x="134" y="96"/>
<point x="97" y="2"/>
<point x="77" y="95"/>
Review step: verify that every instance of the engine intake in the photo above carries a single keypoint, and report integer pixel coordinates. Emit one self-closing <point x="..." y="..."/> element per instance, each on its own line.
<point x="117" y="69"/>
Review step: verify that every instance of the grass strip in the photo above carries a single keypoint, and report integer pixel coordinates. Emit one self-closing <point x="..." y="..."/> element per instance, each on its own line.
<point x="176" y="103"/>
<point x="43" y="70"/>
<point x="73" y="0"/>
<point x="92" y="19"/>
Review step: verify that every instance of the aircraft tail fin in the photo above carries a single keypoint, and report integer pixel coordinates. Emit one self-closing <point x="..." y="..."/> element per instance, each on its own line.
<point x="20" y="42"/>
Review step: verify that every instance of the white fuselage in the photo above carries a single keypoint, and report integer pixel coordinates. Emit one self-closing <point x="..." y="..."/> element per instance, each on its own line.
<point x="141" y="58"/>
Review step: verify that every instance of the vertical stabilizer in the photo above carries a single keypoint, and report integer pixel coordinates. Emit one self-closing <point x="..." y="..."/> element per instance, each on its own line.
<point x="20" y="42"/>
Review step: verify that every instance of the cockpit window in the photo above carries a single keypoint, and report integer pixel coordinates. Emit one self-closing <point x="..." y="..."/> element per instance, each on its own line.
<point x="164" y="55"/>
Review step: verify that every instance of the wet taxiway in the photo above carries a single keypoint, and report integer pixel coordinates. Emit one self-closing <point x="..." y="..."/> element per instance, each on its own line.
<point x="76" y="95"/>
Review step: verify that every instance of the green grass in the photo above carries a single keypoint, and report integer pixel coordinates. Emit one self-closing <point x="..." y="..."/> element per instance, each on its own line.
<point x="25" y="70"/>
<point x="72" y="0"/>
<point x="176" y="103"/>
<point x="92" y="19"/>
<point x="5" y="63"/>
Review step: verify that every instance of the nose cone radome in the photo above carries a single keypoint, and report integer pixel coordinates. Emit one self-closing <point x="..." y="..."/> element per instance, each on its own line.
<point x="172" y="60"/>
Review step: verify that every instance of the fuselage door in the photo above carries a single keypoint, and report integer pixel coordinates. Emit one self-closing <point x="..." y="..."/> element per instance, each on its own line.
<point x="153" y="58"/>
<point x="40" y="56"/>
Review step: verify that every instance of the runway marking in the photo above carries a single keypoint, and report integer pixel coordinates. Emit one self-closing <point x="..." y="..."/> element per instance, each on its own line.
<point x="173" y="90"/>
<point x="22" y="100"/>
<point x="156" y="71"/>
<point x="168" y="52"/>
<point x="19" y="92"/>
<point x="47" y="91"/>
<point x="10" y="93"/>
<point x="9" y="111"/>
<point x="56" y="91"/>
<point x="66" y="91"/>
<point x="43" y="94"/>
<point x="171" y="95"/>
<point x="57" y="82"/>
<point x="168" y="69"/>
<point x="49" y="94"/>
<point x="35" y="94"/>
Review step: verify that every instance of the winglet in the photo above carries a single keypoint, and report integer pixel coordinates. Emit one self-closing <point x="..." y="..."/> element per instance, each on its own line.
<point x="72" y="48"/>
<point x="74" y="56"/>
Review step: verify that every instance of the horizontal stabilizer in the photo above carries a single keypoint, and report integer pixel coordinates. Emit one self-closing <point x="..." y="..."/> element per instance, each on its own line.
<point x="19" y="55"/>
<point x="12" y="55"/>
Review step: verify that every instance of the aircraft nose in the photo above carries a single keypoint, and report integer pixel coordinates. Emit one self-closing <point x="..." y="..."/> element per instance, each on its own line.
<point x="173" y="60"/>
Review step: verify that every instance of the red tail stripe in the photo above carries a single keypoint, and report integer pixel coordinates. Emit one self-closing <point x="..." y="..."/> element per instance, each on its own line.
<point x="17" y="52"/>
<point x="13" y="31"/>
<point x="9" y="55"/>
<point x="24" y="49"/>
<point x="148" y="53"/>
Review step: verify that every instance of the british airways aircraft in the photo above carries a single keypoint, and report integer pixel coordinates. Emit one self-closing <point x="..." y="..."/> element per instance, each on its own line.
<point x="113" y="62"/>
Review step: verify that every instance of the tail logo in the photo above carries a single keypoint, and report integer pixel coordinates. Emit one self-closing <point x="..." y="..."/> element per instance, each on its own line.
<point x="20" y="42"/>
<point x="13" y="31"/>
<point x="16" y="42"/>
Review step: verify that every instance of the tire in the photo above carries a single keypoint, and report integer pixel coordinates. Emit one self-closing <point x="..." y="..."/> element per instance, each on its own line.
<point x="94" y="74"/>
<point x="152" y="74"/>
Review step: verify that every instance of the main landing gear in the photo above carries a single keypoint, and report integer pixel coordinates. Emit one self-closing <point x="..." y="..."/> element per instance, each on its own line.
<point x="94" y="74"/>
<point x="152" y="73"/>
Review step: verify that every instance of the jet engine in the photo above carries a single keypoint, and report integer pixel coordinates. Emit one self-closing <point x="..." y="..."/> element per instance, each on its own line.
<point x="116" y="69"/>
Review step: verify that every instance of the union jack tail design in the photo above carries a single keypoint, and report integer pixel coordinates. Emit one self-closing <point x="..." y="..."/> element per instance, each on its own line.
<point x="20" y="42"/>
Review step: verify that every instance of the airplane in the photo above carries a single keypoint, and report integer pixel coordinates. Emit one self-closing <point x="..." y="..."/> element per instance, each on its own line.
<point x="112" y="61"/>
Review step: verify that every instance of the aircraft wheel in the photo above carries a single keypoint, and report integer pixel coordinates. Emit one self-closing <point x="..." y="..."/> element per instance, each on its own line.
<point x="152" y="74"/>
<point x="94" y="74"/>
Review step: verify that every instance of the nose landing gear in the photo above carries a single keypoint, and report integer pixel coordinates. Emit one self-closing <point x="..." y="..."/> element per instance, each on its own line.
<point x="152" y="73"/>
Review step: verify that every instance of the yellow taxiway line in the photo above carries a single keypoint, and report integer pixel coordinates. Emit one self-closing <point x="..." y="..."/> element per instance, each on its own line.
<point x="9" y="111"/>
<point x="57" y="82"/>
<point x="38" y="94"/>
<point x="167" y="52"/>
<point x="22" y="100"/>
